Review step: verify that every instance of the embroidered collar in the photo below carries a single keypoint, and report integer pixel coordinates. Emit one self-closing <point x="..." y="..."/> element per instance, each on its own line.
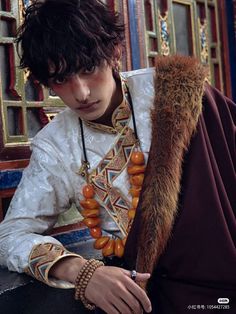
<point x="120" y="116"/>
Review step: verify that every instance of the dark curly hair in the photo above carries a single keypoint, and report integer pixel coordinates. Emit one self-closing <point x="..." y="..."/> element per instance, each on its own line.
<point x="66" y="36"/>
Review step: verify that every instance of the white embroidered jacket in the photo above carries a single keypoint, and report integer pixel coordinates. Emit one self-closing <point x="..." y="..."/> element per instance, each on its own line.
<point x="50" y="183"/>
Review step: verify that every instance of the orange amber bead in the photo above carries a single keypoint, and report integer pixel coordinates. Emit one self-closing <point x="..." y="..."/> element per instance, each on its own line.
<point x="95" y="232"/>
<point x="90" y="213"/>
<point x="88" y="191"/>
<point x="91" y="222"/>
<point x="136" y="169"/>
<point x="89" y="203"/>
<point x="135" y="201"/>
<point x="137" y="179"/>
<point x="137" y="158"/>
<point x="109" y="248"/>
<point x="135" y="191"/>
<point x="100" y="243"/>
<point x="119" y="248"/>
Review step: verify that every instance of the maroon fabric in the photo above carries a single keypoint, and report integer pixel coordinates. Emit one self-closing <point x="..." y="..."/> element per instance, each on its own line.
<point x="199" y="263"/>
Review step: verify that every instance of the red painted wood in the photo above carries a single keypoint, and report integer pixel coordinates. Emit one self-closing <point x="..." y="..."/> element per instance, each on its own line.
<point x="224" y="48"/>
<point x="213" y="24"/>
<point x="71" y="227"/>
<point x="14" y="153"/>
<point x="8" y="5"/>
<point x="141" y="32"/>
<point x="7" y="193"/>
<point x="127" y="48"/>
<point x="14" y="164"/>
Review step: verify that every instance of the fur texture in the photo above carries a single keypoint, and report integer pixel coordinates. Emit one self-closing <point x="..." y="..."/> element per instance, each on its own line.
<point x="179" y="86"/>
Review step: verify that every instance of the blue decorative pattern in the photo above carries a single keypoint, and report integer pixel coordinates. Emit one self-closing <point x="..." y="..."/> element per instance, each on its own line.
<point x="203" y="41"/>
<point x="165" y="36"/>
<point x="72" y="237"/>
<point x="10" y="179"/>
<point x="134" y="37"/>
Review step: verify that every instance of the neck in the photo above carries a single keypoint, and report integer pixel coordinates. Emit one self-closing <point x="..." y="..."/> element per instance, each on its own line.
<point x="116" y="100"/>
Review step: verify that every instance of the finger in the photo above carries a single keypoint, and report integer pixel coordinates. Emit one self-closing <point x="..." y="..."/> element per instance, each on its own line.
<point x="140" y="295"/>
<point x="140" y="276"/>
<point x="110" y="309"/>
<point x="123" y="307"/>
<point x="122" y="293"/>
<point x="129" y="299"/>
<point x="133" y="303"/>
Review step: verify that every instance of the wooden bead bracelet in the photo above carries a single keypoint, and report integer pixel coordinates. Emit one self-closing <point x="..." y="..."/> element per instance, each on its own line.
<point x="83" y="279"/>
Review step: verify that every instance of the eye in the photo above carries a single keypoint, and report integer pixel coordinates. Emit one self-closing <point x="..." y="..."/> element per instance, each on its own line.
<point x="89" y="70"/>
<point x="59" y="80"/>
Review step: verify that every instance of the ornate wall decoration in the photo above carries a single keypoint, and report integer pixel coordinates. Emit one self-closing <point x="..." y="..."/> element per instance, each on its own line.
<point x="203" y="39"/>
<point x="22" y="99"/>
<point x="164" y="34"/>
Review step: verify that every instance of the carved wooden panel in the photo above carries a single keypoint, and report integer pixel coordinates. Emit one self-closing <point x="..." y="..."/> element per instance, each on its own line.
<point x="23" y="101"/>
<point x="188" y="27"/>
<point x="152" y="27"/>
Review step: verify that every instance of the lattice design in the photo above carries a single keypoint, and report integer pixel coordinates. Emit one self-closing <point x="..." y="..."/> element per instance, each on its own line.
<point x="21" y="97"/>
<point x="122" y="117"/>
<point x="114" y="203"/>
<point x="117" y="156"/>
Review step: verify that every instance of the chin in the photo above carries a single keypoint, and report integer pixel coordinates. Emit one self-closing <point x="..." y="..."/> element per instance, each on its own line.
<point x="91" y="116"/>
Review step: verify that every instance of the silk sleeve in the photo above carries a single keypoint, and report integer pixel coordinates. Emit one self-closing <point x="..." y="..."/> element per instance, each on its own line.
<point x="44" y="192"/>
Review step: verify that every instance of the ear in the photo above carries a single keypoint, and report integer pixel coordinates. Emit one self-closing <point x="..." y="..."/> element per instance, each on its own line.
<point x="117" y="53"/>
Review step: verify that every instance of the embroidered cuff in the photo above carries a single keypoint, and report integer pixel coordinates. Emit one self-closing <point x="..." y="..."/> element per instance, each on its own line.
<point x="42" y="258"/>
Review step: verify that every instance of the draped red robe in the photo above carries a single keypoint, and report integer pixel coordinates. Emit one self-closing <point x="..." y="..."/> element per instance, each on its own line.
<point x="185" y="225"/>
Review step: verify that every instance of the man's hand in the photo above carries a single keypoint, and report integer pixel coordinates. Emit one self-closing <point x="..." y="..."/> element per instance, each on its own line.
<point x="112" y="290"/>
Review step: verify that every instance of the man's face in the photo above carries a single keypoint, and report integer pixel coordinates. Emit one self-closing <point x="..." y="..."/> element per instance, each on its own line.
<point x="88" y="93"/>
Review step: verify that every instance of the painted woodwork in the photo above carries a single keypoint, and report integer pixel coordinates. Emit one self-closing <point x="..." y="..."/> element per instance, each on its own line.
<point x="187" y="27"/>
<point x="152" y="27"/>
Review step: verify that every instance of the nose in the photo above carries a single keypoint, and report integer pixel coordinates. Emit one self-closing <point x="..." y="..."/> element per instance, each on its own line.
<point x="79" y="88"/>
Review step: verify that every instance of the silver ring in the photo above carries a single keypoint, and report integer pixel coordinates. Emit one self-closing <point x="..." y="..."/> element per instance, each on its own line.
<point x="133" y="274"/>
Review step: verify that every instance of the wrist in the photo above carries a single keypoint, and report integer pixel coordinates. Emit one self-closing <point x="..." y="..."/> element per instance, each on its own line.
<point x="67" y="268"/>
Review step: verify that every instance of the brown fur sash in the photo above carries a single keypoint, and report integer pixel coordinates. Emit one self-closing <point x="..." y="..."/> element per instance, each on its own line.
<point x="179" y="86"/>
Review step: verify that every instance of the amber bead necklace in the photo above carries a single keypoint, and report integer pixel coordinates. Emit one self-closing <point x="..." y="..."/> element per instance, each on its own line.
<point x="111" y="245"/>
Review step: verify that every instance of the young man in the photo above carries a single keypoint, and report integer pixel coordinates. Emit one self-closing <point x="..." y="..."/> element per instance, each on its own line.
<point x="184" y="228"/>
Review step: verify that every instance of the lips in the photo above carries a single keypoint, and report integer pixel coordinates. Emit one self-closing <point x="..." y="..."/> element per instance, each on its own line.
<point x="87" y="106"/>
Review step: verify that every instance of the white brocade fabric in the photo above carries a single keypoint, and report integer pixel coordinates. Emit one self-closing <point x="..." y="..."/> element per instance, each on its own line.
<point x="50" y="183"/>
